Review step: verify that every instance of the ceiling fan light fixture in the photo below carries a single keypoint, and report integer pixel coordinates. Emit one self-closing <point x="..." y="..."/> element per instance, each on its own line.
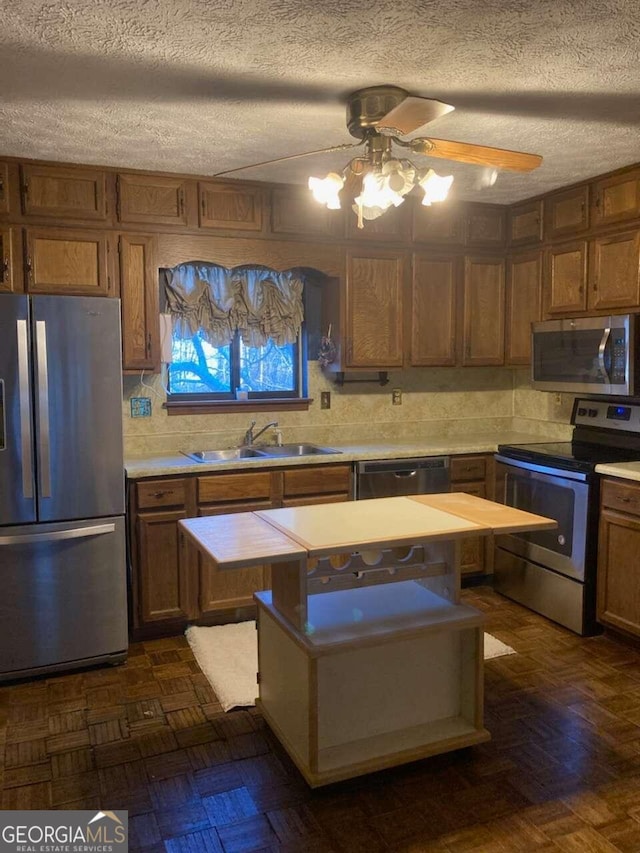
<point x="436" y="187"/>
<point x="327" y="190"/>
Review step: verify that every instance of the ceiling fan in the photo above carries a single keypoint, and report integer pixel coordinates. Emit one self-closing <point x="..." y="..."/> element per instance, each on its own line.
<point x="379" y="117"/>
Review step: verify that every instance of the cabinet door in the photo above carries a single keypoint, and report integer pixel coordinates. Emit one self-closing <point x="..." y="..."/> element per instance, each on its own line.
<point x="567" y="212"/>
<point x="438" y="223"/>
<point x="67" y="261"/>
<point x="294" y="211"/>
<point x="433" y="310"/>
<point x="483" y="311"/>
<point x="566" y="278"/>
<point x="472" y="551"/>
<point x="618" y="578"/>
<point x="72" y="193"/>
<point x="10" y="271"/>
<point x="4" y="188"/>
<point x="616" y="198"/>
<point x="375" y="284"/>
<point x="237" y="207"/>
<point x="485" y="225"/>
<point x="229" y="588"/>
<point x="152" y="198"/>
<point x="525" y="223"/>
<point x="614" y="271"/>
<point x="163" y="581"/>
<point x="139" y="294"/>
<point x="524" y="283"/>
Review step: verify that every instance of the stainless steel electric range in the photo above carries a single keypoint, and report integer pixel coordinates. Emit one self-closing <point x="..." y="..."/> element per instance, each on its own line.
<point x="554" y="572"/>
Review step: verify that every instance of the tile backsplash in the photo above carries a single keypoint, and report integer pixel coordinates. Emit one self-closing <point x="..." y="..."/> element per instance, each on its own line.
<point x="436" y="402"/>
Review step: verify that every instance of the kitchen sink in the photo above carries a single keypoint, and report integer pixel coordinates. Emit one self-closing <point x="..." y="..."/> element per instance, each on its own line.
<point x="270" y="452"/>
<point x="296" y="450"/>
<point x="228" y="455"/>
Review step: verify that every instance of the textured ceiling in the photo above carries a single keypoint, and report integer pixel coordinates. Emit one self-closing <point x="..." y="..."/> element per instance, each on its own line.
<point x="198" y="86"/>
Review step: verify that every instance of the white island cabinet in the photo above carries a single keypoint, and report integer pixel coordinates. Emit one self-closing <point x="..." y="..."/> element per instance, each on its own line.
<point x="366" y="657"/>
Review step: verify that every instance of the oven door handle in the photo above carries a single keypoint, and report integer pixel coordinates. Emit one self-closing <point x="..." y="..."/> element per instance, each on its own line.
<point x="548" y="469"/>
<point x="601" y="351"/>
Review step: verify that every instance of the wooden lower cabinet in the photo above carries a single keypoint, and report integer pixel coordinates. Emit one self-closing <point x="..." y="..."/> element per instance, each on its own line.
<point x="471" y="474"/>
<point x="618" y="602"/>
<point x="163" y="572"/>
<point x="171" y="585"/>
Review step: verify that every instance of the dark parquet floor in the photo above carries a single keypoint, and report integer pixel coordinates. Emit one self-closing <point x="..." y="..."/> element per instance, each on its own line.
<point x="561" y="773"/>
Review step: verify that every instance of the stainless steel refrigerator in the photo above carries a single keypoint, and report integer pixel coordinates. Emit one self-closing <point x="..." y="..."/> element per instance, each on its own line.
<point x="63" y="600"/>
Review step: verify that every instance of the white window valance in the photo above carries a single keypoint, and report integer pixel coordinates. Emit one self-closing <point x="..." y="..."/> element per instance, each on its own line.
<point x="257" y="302"/>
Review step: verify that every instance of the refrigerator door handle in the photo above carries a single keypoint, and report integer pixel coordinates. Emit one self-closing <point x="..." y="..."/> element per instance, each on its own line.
<point x="44" y="444"/>
<point x="25" y="408"/>
<point x="58" y="535"/>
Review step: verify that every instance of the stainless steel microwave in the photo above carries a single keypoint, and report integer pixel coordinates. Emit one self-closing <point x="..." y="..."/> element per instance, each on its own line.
<point x="595" y="355"/>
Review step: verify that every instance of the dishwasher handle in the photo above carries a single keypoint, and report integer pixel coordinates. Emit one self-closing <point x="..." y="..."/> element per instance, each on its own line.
<point x="402" y="466"/>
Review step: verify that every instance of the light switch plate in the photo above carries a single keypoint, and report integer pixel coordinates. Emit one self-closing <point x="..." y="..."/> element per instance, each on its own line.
<point x="325" y="399"/>
<point x="396" y="397"/>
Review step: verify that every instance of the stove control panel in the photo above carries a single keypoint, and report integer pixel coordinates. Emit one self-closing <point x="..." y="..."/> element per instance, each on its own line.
<point x="618" y="416"/>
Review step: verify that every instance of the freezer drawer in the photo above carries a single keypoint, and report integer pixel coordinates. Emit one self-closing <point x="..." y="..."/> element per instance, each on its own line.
<point x="64" y="601"/>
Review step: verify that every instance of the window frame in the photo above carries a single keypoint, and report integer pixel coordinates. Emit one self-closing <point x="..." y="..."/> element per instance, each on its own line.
<point x="298" y="393"/>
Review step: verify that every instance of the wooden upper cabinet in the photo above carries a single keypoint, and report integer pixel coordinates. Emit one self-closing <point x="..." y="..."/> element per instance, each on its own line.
<point x="236" y="207"/>
<point x="525" y="223"/>
<point x="10" y="270"/>
<point x="567" y="212"/>
<point x="374" y="315"/>
<point x="393" y="226"/>
<point x="433" y="310"/>
<point x="614" y="271"/>
<point x="64" y="193"/>
<point x="485" y="225"/>
<point x="438" y="223"/>
<point x="64" y="260"/>
<point x="616" y="198"/>
<point x="565" y="278"/>
<point x="483" y="311"/>
<point x="139" y="295"/>
<point x="294" y="211"/>
<point x="524" y="292"/>
<point x="152" y="198"/>
<point x="4" y="188"/>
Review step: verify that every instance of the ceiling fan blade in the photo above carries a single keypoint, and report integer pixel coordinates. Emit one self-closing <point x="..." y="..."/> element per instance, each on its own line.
<point x="343" y="147"/>
<point x="412" y="113"/>
<point x="480" y="155"/>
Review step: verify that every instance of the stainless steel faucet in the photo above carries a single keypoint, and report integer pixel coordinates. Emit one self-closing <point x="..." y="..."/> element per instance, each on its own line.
<point x="250" y="437"/>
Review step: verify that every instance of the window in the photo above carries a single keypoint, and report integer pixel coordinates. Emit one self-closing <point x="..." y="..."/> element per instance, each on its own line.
<point x="200" y="371"/>
<point x="236" y="334"/>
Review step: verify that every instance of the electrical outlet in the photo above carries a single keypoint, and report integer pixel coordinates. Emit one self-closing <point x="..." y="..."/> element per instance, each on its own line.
<point x="396" y="397"/>
<point x="325" y="399"/>
<point x="558" y="399"/>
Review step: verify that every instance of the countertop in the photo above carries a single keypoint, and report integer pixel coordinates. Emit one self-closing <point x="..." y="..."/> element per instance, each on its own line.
<point x="156" y="465"/>
<point x="624" y="470"/>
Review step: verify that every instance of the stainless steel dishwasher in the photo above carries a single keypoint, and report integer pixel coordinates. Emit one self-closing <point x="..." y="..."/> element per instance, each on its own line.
<point x="391" y="477"/>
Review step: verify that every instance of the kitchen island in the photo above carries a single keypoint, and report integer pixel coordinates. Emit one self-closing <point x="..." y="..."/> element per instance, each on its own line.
<point x="367" y="659"/>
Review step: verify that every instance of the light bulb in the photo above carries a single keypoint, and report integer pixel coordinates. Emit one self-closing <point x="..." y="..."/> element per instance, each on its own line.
<point x="436" y="187"/>
<point x="326" y="190"/>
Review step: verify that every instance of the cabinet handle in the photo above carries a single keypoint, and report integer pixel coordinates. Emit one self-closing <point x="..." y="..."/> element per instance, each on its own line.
<point x="5" y="269"/>
<point x="162" y="493"/>
<point x="203" y="206"/>
<point x="25" y="189"/>
<point x="148" y="343"/>
<point x="29" y="268"/>
<point x="595" y="285"/>
<point x="597" y="201"/>
<point x="181" y="202"/>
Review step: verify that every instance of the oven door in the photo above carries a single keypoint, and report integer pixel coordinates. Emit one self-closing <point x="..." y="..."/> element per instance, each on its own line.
<point x="561" y="495"/>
